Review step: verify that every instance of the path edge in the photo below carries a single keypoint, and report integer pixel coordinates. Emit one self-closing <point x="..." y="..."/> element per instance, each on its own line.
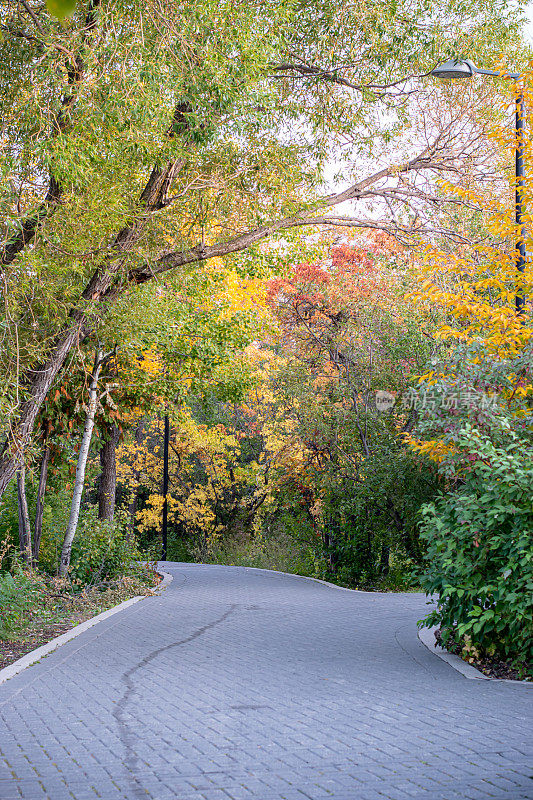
<point x="427" y="637"/>
<point x="288" y="574"/>
<point x="35" y="655"/>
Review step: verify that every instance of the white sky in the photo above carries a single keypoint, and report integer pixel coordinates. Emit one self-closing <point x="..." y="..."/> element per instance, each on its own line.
<point x="529" y="30"/>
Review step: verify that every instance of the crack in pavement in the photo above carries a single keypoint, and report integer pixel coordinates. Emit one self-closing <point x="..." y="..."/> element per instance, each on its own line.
<point x="127" y="737"/>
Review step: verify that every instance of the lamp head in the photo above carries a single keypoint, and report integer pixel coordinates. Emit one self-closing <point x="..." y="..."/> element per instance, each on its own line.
<point x="451" y="70"/>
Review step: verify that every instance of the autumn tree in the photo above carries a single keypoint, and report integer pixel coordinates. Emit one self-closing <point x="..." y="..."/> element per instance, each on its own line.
<point x="474" y="403"/>
<point x="350" y="340"/>
<point x="192" y="334"/>
<point x="148" y="138"/>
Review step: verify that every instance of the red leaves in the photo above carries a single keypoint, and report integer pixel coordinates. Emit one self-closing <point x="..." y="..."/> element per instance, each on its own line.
<point x="315" y="294"/>
<point x="310" y="273"/>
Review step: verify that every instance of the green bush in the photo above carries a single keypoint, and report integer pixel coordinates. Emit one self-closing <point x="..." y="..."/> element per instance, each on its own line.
<point x="280" y="553"/>
<point x="479" y="557"/>
<point x="55" y="518"/>
<point x="20" y="594"/>
<point x="9" y="527"/>
<point x="372" y="522"/>
<point x="103" y="550"/>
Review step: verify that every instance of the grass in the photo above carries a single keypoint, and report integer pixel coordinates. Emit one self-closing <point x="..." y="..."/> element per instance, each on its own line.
<point x="279" y="553"/>
<point x="35" y="608"/>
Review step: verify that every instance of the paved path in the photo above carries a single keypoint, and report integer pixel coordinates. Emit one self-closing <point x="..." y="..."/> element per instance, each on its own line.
<point x="237" y="684"/>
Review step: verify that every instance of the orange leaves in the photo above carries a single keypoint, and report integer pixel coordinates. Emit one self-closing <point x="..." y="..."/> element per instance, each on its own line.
<point x="315" y="292"/>
<point x="310" y="273"/>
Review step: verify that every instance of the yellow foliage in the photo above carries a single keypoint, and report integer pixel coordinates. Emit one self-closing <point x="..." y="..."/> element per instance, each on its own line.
<point x="434" y="448"/>
<point x="475" y="289"/>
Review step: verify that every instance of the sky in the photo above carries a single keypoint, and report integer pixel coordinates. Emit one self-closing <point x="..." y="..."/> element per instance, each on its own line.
<point x="333" y="166"/>
<point x="529" y="29"/>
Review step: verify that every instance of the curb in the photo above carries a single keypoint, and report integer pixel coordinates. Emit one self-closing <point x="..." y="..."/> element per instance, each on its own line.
<point x="289" y="575"/>
<point x="167" y="579"/>
<point x="427" y="637"/>
<point x="35" y="655"/>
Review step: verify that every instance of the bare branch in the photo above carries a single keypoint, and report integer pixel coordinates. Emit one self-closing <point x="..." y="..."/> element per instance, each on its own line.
<point x="33" y="15"/>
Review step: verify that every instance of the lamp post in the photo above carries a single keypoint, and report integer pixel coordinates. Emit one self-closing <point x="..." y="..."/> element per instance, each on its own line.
<point x="165" y="489"/>
<point x="451" y="70"/>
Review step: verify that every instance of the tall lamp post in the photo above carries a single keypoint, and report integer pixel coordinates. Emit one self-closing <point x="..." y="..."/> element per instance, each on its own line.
<point x="164" y="527"/>
<point x="451" y="70"/>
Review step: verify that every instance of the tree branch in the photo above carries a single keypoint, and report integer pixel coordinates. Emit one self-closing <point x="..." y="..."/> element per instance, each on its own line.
<point x="241" y="241"/>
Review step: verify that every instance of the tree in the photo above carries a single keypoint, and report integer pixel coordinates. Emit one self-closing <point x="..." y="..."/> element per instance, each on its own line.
<point x="474" y="405"/>
<point x="348" y="334"/>
<point x="39" y="502"/>
<point x="108" y="478"/>
<point x="132" y="132"/>
<point x="24" y="519"/>
<point x="194" y="356"/>
<point x="82" y="463"/>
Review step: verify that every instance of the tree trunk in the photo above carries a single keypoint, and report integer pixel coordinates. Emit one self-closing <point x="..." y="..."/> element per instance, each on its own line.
<point x="39" y="506"/>
<point x="24" y="518"/>
<point x="80" y="467"/>
<point x="37" y="384"/>
<point x="108" y="478"/>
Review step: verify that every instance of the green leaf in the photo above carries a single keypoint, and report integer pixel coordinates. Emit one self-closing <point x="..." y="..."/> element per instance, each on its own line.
<point x="61" y="8"/>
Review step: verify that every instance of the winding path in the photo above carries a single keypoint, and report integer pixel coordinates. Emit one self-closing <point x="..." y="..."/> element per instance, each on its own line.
<point x="240" y="684"/>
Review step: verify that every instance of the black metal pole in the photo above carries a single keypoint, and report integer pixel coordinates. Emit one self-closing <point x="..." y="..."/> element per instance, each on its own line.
<point x="519" y="196"/>
<point x="165" y="489"/>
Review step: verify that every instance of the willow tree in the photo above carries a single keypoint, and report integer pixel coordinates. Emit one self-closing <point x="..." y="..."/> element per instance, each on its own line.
<point x="142" y="137"/>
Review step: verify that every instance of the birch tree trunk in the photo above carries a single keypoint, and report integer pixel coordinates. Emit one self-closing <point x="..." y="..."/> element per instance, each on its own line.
<point x="108" y="478"/>
<point x="81" y="466"/>
<point x="24" y="518"/>
<point x="39" y="506"/>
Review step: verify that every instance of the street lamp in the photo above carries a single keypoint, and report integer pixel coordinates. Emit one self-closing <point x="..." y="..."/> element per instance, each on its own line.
<point x="164" y="526"/>
<point x="451" y="70"/>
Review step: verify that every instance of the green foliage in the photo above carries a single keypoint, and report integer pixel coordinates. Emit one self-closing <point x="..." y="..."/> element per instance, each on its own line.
<point x="281" y="552"/>
<point x="372" y="523"/>
<point x="55" y="513"/>
<point x="9" y="527"/>
<point x="479" y="557"/>
<point x="61" y="8"/>
<point x="103" y="550"/>
<point x="55" y="517"/>
<point x="179" y="548"/>
<point x="21" y="594"/>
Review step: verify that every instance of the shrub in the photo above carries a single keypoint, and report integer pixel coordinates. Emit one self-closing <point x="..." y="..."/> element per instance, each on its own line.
<point x="9" y="527"/>
<point x="479" y="557"/>
<point x="55" y="518"/>
<point x="20" y="594"/>
<point x="103" y="550"/>
<point x="373" y="522"/>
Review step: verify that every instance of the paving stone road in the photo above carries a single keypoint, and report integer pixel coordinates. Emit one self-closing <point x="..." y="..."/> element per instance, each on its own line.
<point x="239" y="684"/>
